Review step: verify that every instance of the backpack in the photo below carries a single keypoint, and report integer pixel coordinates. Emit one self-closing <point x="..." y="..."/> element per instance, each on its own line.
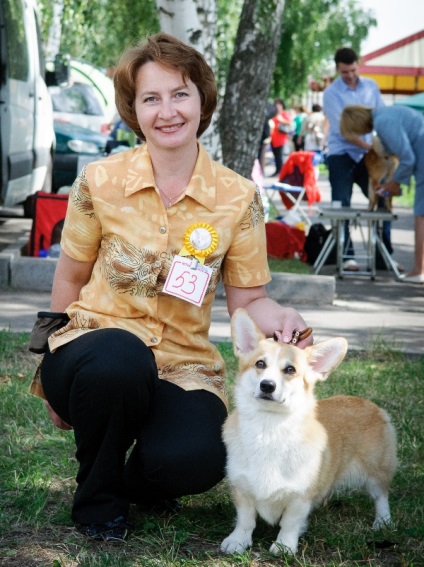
<point x="314" y="243"/>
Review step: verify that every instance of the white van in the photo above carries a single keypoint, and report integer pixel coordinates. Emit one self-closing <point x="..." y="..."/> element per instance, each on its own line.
<point x="27" y="138"/>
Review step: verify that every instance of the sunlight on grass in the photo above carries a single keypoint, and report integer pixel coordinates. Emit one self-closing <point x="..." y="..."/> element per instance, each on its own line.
<point x="290" y="265"/>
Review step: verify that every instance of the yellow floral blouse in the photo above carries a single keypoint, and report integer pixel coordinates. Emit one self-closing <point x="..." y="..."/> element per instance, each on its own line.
<point x="116" y="218"/>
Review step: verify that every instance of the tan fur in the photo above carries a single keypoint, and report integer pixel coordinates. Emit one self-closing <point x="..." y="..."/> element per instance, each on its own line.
<point x="286" y="451"/>
<point x="381" y="166"/>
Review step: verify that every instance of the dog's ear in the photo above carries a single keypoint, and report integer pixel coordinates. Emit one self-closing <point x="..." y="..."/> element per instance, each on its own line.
<point x="324" y="357"/>
<point x="245" y="333"/>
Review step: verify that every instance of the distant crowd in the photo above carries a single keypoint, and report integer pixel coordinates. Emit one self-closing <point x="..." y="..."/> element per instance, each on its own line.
<point x="287" y="130"/>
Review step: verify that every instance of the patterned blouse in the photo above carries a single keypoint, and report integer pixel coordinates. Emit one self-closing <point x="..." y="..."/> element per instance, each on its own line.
<point x="116" y="218"/>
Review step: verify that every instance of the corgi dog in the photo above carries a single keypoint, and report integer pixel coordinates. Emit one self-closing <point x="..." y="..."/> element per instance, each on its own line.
<point x="286" y="451"/>
<point x="381" y="167"/>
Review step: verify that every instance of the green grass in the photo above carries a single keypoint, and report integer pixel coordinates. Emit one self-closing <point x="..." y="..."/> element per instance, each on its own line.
<point x="290" y="265"/>
<point x="407" y="197"/>
<point x="38" y="467"/>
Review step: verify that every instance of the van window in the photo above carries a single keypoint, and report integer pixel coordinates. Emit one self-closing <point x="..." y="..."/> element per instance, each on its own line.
<point x="76" y="99"/>
<point x="15" y="40"/>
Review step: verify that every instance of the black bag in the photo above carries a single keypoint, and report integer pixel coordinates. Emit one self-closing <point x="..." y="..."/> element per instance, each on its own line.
<point x="314" y="243"/>
<point x="46" y="324"/>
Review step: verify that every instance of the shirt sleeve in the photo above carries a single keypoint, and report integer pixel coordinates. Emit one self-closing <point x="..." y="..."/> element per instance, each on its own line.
<point x="246" y="262"/>
<point x="396" y="141"/>
<point x="81" y="235"/>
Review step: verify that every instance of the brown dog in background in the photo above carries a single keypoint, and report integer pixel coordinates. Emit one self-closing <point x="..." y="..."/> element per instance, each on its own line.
<point x="381" y="167"/>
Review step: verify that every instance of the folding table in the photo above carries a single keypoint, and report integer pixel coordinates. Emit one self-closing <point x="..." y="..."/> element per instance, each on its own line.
<point x="369" y="220"/>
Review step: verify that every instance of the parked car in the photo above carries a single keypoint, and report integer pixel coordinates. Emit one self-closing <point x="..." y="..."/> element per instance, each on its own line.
<point x="79" y="104"/>
<point x="75" y="147"/>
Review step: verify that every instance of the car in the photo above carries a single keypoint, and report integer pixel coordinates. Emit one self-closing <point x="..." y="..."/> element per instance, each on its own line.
<point x="78" y="103"/>
<point x="75" y="147"/>
<point x="103" y="88"/>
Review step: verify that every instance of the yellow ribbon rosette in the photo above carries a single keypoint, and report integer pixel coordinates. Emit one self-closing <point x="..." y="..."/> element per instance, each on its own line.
<point x="200" y="240"/>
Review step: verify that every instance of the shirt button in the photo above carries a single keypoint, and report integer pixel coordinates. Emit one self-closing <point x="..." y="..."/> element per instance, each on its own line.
<point x="162" y="229"/>
<point x="154" y="340"/>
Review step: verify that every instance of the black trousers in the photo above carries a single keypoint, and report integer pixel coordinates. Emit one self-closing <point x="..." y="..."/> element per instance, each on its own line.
<point x="138" y="438"/>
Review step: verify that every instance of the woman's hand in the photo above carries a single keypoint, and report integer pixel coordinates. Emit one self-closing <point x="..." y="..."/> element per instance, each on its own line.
<point x="389" y="189"/>
<point x="290" y="322"/>
<point x="273" y="319"/>
<point x="58" y="421"/>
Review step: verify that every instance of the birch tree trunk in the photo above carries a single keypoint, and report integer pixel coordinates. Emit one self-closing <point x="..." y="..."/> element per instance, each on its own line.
<point x="243" y="111"/>
<point x="55" y="32"/>
<point x="194" y="22"/>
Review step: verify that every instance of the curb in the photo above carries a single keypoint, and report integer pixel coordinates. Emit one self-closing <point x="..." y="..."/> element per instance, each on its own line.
<point x="36" y="274"/>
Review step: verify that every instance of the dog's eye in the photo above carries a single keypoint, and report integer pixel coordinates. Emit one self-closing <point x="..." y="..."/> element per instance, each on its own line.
<point x="260" y="364"/>
<point x="289" y="370"/>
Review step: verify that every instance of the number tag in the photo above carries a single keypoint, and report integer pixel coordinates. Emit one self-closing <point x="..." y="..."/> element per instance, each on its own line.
<point x="188" y="280"/>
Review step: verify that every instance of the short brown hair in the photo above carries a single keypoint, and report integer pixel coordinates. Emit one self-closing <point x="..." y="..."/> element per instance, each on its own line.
<point x="172" y="53"/>
<point x="356" y="119"/>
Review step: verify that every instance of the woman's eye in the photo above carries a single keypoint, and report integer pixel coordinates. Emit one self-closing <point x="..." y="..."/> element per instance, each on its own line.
<point x="181" y="94"/>
<point x="150" y="99"/>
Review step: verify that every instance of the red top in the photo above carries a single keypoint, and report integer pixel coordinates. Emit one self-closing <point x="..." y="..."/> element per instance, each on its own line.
<point x="279" y="139"/>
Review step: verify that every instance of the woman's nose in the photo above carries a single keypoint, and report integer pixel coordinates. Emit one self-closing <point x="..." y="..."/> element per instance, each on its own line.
<point x="167" y="109"/>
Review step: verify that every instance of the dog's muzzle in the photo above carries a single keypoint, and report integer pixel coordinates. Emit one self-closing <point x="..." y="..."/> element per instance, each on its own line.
<point x="267" y="388"/>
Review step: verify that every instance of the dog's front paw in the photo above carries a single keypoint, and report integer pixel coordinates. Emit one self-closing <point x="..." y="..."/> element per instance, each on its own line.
<point x="381" y="523"/>
<point x="279" y="547"/>
<point x="234" y="544"/>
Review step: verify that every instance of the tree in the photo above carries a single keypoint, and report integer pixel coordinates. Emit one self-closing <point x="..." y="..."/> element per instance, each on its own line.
<point x="311" y="32"/>
<point x="251" y="69"/>
<point x="195" y="23"/>
<point x="192" y="21"/>
<point x="99" y="31"/>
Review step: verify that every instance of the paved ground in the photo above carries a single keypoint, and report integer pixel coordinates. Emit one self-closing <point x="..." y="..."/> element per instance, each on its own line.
<point x="363" y="310"/>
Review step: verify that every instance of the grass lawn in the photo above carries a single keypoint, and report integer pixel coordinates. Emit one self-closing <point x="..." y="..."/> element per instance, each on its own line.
<point x="290" y="265"/>
<point x="38" y="467"/>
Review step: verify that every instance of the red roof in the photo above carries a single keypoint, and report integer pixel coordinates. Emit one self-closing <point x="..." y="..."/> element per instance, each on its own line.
<point x="398" y="68"/>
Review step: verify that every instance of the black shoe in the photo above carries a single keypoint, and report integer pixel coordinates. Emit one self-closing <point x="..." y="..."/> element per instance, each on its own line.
<point x="112" y="532"/>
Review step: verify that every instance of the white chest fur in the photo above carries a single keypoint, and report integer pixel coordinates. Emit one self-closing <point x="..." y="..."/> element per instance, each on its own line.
<point x="271" y="460"/>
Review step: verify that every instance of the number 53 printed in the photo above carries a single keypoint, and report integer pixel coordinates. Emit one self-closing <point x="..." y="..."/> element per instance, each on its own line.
<point x="187" y="282"/>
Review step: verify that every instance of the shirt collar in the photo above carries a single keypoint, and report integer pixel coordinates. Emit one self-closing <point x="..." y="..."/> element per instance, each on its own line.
<point x="348" y="88"/>
<point x="202" y="186"/>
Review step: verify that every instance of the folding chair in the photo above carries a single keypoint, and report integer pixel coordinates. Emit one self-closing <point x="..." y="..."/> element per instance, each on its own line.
<point x="297" y="183"/>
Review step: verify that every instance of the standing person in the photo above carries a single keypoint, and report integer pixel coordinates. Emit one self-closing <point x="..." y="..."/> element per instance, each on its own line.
<point x="148" y="234"/>
<point x="280" y="133"/>
<point x="298" y="120"/>
<point x="345" y="160"/>
<point x="270" y="112"/>
<point x="313" y="130"/>
<point x="401" y="130"/>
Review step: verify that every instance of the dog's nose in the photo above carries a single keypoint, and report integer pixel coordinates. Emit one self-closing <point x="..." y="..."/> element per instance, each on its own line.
<point x="267" y="386"/>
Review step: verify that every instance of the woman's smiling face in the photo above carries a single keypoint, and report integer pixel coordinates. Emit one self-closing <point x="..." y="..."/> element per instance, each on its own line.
<point x="168" y="108"/>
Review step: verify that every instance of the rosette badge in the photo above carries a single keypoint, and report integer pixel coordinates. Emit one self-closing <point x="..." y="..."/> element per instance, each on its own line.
<point x="200" y="240"/>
